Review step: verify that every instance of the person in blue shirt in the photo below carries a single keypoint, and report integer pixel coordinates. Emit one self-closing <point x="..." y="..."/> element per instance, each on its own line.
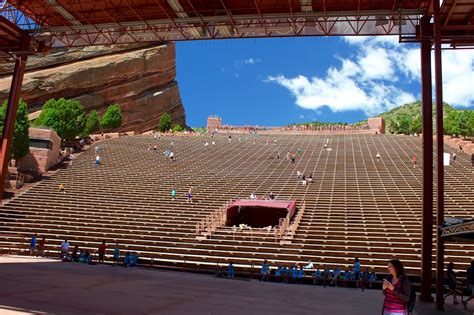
<point x="326" y="275"/>
<point x="299" y="275"/>
<point x="230" y="270"/>
<point x="316" y="276"/>
<point x="116" y="254"/>
<point x="33" y="245"/>
<point x="372" y="278"/>
<point x="347" y="277"/>
<point x="356" y="271"/>
<point x="127" y="260"/>
<point x="133" y="259"/>
<point x="278" y="274"/>
<point x="285" y="273"/>
<point x="265" y="271"/>
<point x="294" y="273"/>
<point x="336" y="275"/>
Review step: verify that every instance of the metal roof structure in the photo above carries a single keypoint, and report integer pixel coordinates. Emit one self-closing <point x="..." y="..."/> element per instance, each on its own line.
<point x="70" y="23"/>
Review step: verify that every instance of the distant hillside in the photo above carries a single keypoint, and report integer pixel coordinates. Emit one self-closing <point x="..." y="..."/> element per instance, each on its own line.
<point x="406" y="119"/>
<point x="397" y="119"/>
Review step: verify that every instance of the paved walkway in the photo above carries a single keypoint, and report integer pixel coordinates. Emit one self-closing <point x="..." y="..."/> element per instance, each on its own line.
<point x="38" y="285"/>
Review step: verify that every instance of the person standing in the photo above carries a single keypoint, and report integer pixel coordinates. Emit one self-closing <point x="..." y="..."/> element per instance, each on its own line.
<point x="116" y="254"/>
<point x="356" y="271"/>
<point x="451" y="283"/>
<point x="102" y="248"/>
<point x="41" y="244"/>
<point x="397" y="290"/>
<point x="64" y="249"/>
<point x="190" y="195"/>
<point x="33" y="245"/>
<point x="413" y="160"/>
<point x="173" y="193"/>
<point x="470" y="283"/>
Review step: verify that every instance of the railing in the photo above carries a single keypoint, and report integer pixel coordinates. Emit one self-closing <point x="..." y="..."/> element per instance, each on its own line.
<point x="207" y="226"/>
<point x="286" y="231"/>
<point x="19" y="180"/>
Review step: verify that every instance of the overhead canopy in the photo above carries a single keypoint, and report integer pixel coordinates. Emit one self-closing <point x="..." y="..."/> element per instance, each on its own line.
<point x="259" y="213"/>
<point x="460" y="232"/>
<point x="90" y="22"/>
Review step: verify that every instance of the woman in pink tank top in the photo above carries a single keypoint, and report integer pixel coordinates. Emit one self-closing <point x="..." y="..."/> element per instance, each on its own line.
<point x="396" y="289"/>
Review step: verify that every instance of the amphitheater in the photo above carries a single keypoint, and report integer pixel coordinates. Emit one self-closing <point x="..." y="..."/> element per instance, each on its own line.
<point x="356" y="206"/>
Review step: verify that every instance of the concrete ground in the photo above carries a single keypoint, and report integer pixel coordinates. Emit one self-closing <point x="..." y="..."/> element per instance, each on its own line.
<point x="32" y="285"/>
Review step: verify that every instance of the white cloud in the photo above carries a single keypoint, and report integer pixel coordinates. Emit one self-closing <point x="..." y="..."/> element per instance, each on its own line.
<point x="251" y="61"/>
<point x="373" y="80"/>
<point x="248" y="61"/>
<point x="458" y="66"/>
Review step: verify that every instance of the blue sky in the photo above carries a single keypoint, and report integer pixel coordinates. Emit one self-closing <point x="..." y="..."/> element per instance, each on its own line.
<point x="274" y="82"/>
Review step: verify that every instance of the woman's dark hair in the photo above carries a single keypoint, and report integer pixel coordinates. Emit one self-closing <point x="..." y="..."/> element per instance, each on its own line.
<point x="451" y="265"/>
<point x="397" y="264"/>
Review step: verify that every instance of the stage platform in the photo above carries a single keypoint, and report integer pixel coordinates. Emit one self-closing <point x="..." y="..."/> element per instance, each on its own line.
<point x="31" y="285"/>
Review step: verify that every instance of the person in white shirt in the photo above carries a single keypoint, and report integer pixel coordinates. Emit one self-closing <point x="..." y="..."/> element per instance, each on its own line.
<point x="253" y="196"/>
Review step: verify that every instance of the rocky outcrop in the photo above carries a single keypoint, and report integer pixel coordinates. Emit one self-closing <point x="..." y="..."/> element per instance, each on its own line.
<point x="141" y="79"/>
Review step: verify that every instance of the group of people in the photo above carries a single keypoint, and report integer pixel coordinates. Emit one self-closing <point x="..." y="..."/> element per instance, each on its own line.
<point x="189" y="195"/>
<point x="83" y="256"/>
<point x="296" y="274"/>
<point x="303" y="179"/>
<point x="453" y="283"/>
<point x="270" y="196"/>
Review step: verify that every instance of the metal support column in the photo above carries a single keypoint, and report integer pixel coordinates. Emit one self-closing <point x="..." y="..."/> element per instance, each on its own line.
<point x="439" y="156"/>
<point x="10" y="117"/>
<point x="427" y="140"/>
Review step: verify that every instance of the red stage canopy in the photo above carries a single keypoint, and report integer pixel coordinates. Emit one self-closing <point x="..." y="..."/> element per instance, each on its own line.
<point x="290" y="205"/>
<point x="259" y="213"/>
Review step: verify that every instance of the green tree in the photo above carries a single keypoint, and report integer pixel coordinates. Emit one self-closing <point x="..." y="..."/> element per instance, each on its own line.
<point x="402" y="124"/>
<point x="92" y="123"/>
<point x="66" y="117"/>
<point x="165" y="122"/>
<point x="451" y="123"/>
<point x="416" y="125"/>
<point x="177" y="128"/>
<point x="112" y="118"/>
<point x="470" y="124"/>
<point x="463" y="123"/>
<point x="21" y="140"/>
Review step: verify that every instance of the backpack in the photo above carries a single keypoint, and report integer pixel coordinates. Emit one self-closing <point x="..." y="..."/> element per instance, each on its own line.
<point x="412" y="300"/>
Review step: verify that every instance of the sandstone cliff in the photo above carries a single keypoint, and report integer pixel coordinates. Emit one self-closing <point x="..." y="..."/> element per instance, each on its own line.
<point x="141" y="79"/>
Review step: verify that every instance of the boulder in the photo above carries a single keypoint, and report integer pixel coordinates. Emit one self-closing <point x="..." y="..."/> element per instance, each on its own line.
<point x="141" y="79"/>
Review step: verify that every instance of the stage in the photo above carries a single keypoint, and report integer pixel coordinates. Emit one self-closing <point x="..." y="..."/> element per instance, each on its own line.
<point x="42" y="286"/>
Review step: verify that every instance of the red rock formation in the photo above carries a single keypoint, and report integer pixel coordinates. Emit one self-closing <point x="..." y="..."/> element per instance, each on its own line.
<point x="140" y="79"/>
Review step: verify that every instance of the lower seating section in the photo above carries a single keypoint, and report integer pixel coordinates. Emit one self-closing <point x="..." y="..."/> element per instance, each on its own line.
<point x="356" y="205"/>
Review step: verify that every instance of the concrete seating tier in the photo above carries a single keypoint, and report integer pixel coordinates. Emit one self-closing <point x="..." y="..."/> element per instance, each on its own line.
<point x="356" y="206"/>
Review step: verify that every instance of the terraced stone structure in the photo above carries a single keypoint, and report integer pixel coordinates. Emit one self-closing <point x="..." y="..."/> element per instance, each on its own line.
<point x="356" y="206"/>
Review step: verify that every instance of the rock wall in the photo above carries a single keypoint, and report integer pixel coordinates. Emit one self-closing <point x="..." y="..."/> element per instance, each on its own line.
<point x="141" y="79"/>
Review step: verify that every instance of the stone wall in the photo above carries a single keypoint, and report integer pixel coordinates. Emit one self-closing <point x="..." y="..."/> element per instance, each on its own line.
<point x="141" y="79"/>
<point x="39" y="160"/>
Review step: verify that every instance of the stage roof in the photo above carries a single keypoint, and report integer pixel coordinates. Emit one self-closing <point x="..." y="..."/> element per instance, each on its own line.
<point x="280" y="204"/>
<point x="70" y="23"/>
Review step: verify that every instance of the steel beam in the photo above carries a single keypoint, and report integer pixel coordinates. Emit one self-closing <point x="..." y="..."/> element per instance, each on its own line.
<point x="427" y="140"/>
<point x="10" y="117"/>
<point x="439" y="155"/>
